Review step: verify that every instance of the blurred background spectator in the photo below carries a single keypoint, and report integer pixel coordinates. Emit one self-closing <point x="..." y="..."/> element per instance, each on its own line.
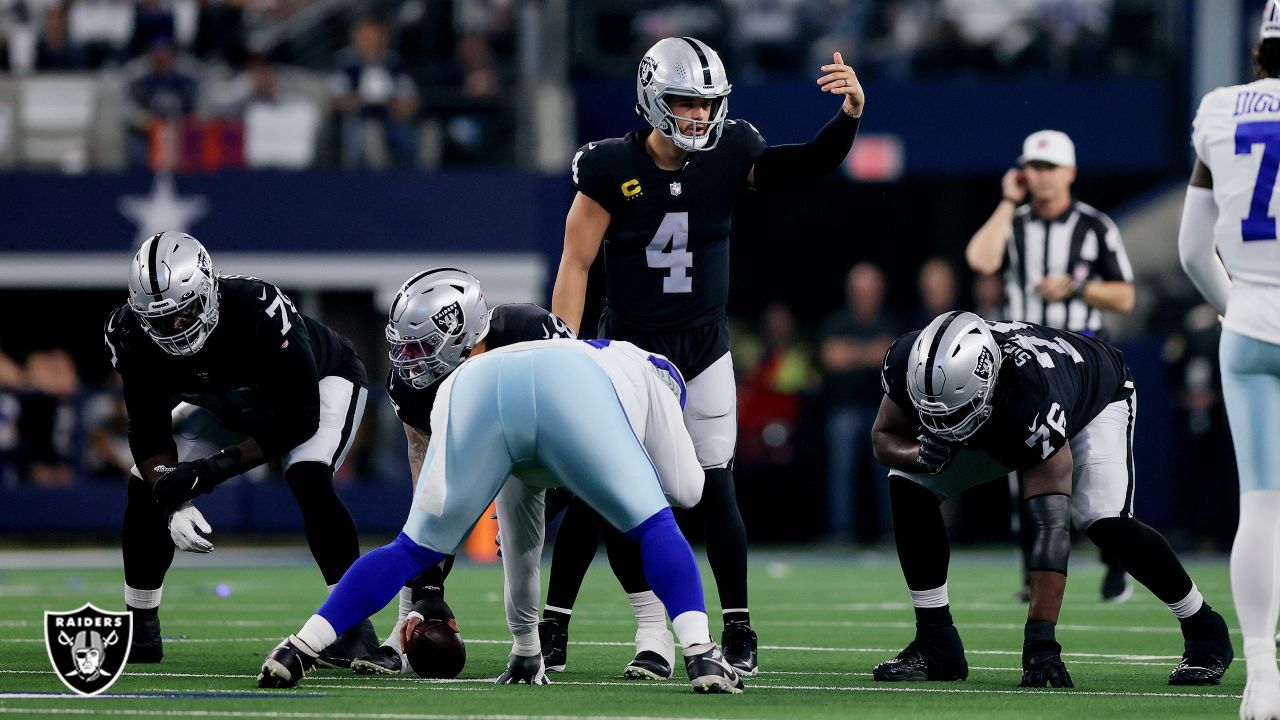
<point x="375" y="101"/>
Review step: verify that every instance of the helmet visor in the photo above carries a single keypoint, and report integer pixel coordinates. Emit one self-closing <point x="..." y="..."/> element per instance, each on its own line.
<point x="955" y="423"/>
<point x="177" y="323"/>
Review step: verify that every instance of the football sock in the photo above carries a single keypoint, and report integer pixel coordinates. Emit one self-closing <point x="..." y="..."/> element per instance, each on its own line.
<point x="526" y="645"/>
<point x="670" y="566"/>
<point x="136" y="599"/>
<point x="692" y="631"/>
<point x="1254" y="581"/>
<point x="373" y="580"/>
<point x="145" y="542"/>
<point x="737" y="615"/>
<point x="1188" y="606"/>
<point x="625" y="560"/>
<point x="934" y="616"/>
<point x="404" y="605"/>
<point x="726" y="537"/>
<point x="920" y="534"/>
<point x="1145" y="554"/>
<point x="575" y="548"/>
<point x="560" y="615"/>
<point x="331" y="533"/>
<point x="317" y="634"/>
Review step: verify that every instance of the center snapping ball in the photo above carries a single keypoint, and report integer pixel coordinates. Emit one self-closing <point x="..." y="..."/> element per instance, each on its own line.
<point x="436" y="650"/>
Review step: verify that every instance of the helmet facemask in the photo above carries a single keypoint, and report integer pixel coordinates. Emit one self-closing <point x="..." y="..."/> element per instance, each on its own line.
<point x="695" y="141"/>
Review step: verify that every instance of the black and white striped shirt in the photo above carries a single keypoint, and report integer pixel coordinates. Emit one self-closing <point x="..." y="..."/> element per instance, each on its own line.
<point x="1081" y="242"/>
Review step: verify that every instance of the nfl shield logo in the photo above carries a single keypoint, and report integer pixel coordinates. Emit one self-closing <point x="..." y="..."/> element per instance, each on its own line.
<point x="88" y="647"/>
<point x="675" y="189"/>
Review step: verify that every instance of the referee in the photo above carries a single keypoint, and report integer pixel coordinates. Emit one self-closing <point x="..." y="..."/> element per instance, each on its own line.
<point x="1063" y="264"/>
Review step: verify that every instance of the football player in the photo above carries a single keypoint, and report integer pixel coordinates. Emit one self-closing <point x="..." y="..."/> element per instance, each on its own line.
<point x="428" y="340"/>
<point x="966" y="401"/>
<point x="253" y="380"/>
<point x="602" y="418"/>
<point x="1226" y="219"/>
<point x="660" y="201"/>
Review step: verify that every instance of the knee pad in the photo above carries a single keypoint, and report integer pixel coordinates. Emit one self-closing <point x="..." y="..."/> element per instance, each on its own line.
<point x="1050" y="520"/>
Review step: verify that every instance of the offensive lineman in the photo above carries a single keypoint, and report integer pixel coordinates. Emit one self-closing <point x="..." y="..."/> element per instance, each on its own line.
<point x="252" y="377"/>
<point x="659" y="201"/>
<point x="429" y="301"/>
<point x="1229" y="206"/>
<point x="603" y="418"/>
<point x="966" y="401"/>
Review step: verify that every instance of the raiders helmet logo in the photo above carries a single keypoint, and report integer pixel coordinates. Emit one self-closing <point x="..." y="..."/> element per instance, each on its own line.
<point x="985" y="363"/>
<point x="449" y="319"/>
<point x="647" y="67"/>
<point x="88" y="647"/>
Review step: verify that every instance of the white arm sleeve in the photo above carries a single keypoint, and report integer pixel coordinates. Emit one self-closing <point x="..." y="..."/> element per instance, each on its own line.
<point x="1195" y="248"/>
<point x="520" y="521"/>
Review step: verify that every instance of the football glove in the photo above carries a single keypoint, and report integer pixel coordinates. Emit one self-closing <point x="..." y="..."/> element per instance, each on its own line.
<point x="189" y="479"/>
<point x="935" y="454"/>
<point x="1042" y="664"/>
<point x="524" y="669"/>
<point x="188" y="528"/>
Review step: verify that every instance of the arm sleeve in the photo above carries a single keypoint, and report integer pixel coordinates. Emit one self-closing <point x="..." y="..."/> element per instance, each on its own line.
<point x="1195" y="248"/>
<point x="520" y="520"/>
<point x="1113" y="261"/>
<point x="782" y="165"/>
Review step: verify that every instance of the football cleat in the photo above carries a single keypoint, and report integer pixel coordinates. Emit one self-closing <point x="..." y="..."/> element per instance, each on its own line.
<point x="147" y="645"/>
<point x="647" y="665"/>
<point x="528" y="669"/>
<point x="937" y="656"/>
<point x="386" y="660"/>
<point x="555" y="644"/>
<point x="1261" y="700"/>
<point x="357" y="642"/>
<point x="739" y="643"/>
<point x="710" y="672"/>
<point x="1117" y="586"/>
<point x="285" y="666"/>
<point x="1207" y="652"/>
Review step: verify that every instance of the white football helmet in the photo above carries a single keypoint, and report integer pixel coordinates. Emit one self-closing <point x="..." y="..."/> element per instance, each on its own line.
<point x="437" y="317"/>
<point x="951" y="374"/>
<point x="173" y="291"/>
<point x="683" y="66"/>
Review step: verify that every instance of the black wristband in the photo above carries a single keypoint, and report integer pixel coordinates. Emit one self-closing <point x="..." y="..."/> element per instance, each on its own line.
<point x="1039" y="632"/>
<point x="224" y="463"/>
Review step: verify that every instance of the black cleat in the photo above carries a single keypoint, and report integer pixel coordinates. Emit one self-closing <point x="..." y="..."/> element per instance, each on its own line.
<point x="939" y="655"/>
<point x="739" y="643"/>
<point x="356" y="642"/>
<point x="1117" y="587"/>
<point x="285" y="666"/>
<point x="1207" y="651"/>
<point x="555" y="644"/>
<point x="710" y="672"/>
<point x="647" y="665"/>
<point x="386" y="660"/>
<point x="147" y="646"/>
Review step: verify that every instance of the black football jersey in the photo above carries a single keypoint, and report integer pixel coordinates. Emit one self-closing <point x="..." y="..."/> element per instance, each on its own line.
<point x="666" y="250"/>
<point x="258" y="372"/>
<point x="508" y="324"/>
<point x="1052" y="383"/>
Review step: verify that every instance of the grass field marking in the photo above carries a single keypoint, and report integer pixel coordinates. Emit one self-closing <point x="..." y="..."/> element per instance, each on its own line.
<point x="321" y="716"/>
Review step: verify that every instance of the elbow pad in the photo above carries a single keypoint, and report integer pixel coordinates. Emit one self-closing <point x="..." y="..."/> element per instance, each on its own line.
<point x="1050" y="518"/>
<point x="1195" y="248"/>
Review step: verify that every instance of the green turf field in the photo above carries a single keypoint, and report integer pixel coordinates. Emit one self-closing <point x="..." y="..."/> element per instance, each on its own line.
<point x="823" y="619"/>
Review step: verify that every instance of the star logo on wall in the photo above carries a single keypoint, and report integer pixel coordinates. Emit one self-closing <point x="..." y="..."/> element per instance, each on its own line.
<point x="162" y="209"/>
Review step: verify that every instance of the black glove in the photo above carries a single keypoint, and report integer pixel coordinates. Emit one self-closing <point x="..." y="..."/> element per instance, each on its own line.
<point x="1042" y="664"/>
<point x="188" y="479"/>
<point x="935" y="454"/>
<point x="521" y="669"/>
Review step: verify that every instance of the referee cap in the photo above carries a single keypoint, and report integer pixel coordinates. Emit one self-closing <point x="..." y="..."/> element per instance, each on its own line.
<point x="1051" y="146"/>
<point x="1270" y="20"/>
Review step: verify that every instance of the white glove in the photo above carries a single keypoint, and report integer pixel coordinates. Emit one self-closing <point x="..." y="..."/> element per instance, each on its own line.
<point x="185" y="527"/>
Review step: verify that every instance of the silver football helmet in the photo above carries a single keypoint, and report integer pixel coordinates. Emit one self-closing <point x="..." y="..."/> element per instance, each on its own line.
<point x="436" y="319"/>
<point x="683" y="66"/>
<point x="951" y="374"/>
<point x="173" y="291"/>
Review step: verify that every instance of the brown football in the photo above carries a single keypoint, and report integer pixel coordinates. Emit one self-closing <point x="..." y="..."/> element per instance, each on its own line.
<point x="436" y="649"/>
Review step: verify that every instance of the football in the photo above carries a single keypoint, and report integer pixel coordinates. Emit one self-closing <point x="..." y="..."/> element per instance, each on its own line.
<point x="436" y="650"/>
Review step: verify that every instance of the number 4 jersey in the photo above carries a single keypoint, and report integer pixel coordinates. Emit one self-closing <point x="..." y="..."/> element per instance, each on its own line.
<point x="1236" y="134"/>
<point x="666" y="250"/>
<point x="1051" y="384"/>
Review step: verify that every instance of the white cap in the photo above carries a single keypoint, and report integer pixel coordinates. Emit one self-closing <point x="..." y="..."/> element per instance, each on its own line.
<point x="1270" y="20"/>
<point x="1050" y="146"/>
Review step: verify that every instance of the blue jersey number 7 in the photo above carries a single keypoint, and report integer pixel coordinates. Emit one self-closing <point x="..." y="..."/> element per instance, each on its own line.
<point x="1259" y="225"/>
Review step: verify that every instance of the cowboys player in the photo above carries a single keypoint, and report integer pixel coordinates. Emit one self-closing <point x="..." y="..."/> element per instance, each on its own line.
<point x="660" y="201"/>
<point x="251" y="378"/>
<point x="603" y="418"/>
<point x="966" y="401"/>
<point x="1226" y="219"/>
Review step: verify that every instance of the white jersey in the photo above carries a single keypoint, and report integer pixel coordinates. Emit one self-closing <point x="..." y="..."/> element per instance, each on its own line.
<point x="1236" y="134"/>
